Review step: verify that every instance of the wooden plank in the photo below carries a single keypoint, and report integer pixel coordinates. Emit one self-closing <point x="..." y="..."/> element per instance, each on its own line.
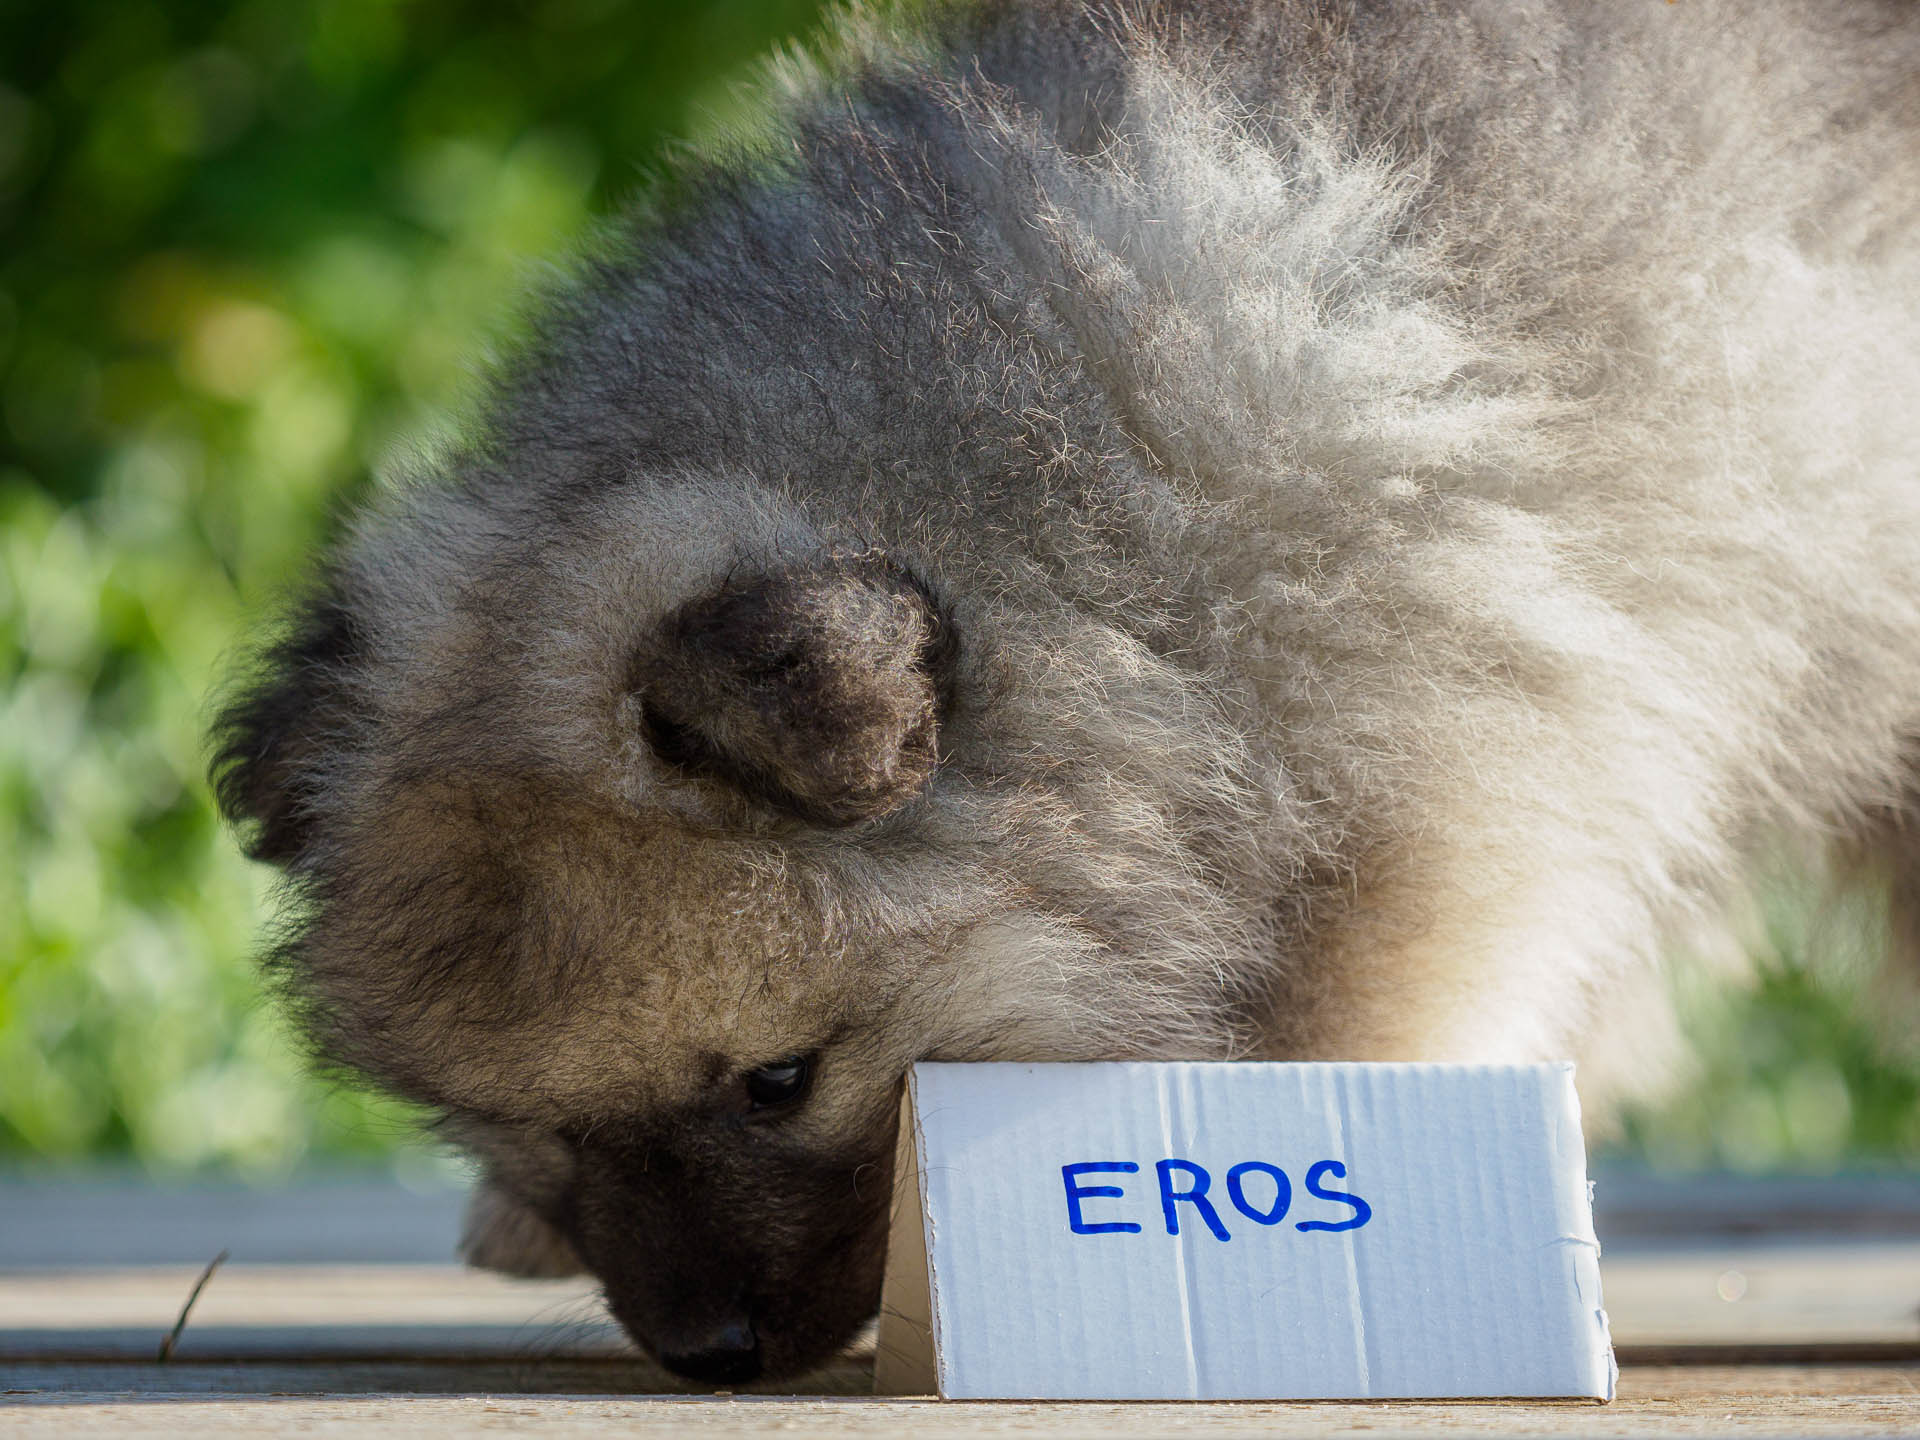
<point x="1771" y="1293"/>
<point x="1819" y="1401"/>
<point x="1718" y="1295"/>
<point x="382" y="1348"/>
<point x="443" y="1375"/>
<point x="247" y="1311"/>
<point x="1792" y="1352"/>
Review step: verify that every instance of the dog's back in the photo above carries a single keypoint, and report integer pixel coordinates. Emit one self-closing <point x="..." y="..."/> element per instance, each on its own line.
<point x="1555" y="367"/>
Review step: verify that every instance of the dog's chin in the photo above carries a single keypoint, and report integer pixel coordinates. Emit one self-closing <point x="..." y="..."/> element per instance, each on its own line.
<point x="766" y="1344"/>
<point x="815" y="1334"/>
<point x="786" y="1321"/>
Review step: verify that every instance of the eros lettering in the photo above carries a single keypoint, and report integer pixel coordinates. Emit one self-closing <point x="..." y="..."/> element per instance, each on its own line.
<point x="1182" y="1182"/>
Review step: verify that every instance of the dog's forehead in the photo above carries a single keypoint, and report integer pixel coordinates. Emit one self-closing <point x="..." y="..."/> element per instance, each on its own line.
<point x="467" y="566"/>
<point x="557" y="956"/>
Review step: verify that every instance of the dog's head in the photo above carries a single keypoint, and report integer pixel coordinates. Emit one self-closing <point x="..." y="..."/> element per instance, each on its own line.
<point x="650" y="839"/>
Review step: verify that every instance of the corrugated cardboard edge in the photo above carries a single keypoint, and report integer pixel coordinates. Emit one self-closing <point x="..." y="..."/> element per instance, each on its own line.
<point x="904" y="1360"/>
<point x="1570" y="1147"/>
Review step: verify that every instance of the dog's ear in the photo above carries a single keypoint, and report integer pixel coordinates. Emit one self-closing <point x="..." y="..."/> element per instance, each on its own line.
<point x="270" y="737"/>
<point x="816" y="690"/>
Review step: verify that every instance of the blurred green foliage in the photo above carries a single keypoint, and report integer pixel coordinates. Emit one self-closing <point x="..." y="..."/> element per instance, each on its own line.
<point x="1804" y="1051"/>
<point x="246" y="249"/>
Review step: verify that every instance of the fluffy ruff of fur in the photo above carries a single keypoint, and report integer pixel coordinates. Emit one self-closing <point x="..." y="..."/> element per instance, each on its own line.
<point x="1155" y="530"/>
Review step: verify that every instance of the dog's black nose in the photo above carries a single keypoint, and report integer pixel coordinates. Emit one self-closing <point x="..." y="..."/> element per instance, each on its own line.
<point x="729" y="1355"/>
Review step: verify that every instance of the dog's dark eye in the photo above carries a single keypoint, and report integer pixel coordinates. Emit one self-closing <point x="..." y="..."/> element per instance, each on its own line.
<point x="780" y="1083"/>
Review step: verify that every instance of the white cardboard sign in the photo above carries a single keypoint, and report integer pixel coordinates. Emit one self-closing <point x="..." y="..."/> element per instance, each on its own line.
<point x="1242" y="1231"/>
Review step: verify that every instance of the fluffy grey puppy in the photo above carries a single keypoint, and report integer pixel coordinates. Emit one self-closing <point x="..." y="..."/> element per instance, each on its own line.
<point x="1321" y="528"/>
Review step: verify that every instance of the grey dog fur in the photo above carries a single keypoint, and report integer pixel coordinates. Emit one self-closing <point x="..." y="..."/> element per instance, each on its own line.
<point x="1299" y="529"/>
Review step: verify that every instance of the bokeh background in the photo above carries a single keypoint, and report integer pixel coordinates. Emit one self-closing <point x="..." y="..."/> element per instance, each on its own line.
<point x="246" y="250"/>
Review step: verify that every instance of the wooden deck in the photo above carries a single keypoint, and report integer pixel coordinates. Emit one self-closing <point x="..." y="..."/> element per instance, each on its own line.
<point x="1763" y="1310"/>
